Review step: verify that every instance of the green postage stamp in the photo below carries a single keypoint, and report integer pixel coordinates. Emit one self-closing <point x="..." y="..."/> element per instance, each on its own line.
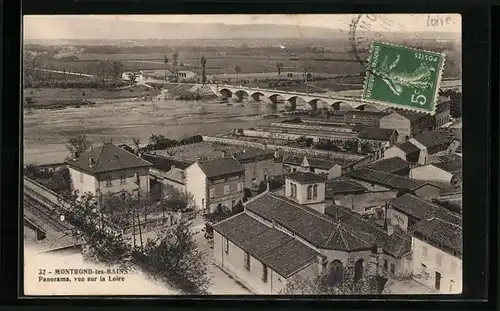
<point x="403" y="77"/>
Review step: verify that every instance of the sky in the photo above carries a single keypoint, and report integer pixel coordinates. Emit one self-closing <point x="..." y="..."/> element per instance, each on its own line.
<point x="37" y="26"/>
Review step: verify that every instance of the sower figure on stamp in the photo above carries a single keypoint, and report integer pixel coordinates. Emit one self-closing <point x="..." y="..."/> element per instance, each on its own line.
<point x="418" y="80"/>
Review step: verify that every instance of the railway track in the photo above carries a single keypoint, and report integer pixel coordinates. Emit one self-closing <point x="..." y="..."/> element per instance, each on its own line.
<point x="42" y="216"/>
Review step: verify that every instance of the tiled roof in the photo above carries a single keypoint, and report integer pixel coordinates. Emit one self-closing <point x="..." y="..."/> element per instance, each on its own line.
<point x="221" y="166"/>
<point x="433" y="139"/>
<point x="305" y="177"/>
<point x="177" y="175"/>
<point x="396" y="244"/>
<point x="376" y="133"/>
<point x="342" y="186"/>
<point x="444" y="227"/>
<point x="165" y="163"/>
<point x="408" y="147"/>
<point x="107" y="157"/>
<point x="316" y="228"/>
<point x="447" y="158"/>
<point x="313" y="162"/>
<point x="391" y="165"/>
<point x="252" y="154"/>
<point x="413" y="206"/>
<point x="451" y="166"/>
<point x="277" y="250"/>
<point x="385" y="179"/>
<point x="410" y="115"/>
<point x="321" y="163"/>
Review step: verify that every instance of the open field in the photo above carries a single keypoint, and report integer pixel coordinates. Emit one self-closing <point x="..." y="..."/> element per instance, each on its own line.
<point x="49" y="97"/>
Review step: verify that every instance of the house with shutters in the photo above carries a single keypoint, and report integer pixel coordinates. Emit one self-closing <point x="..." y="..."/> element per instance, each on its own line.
<point x="215" y="182"/>
<point x="108" y="169"/>
<point x="299" y="234"/>
<point x="437" y="243"/>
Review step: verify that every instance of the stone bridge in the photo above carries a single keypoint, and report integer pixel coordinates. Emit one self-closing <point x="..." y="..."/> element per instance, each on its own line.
<point x="312" y="100"/>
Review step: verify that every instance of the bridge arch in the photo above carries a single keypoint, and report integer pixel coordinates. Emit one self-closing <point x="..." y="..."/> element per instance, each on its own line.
<point x="225" y="92"/>
<point x="340" y="105"/>
<point x="241" y="94"/>
<point x="257" y="96"/>
<point x="367" y="107"/>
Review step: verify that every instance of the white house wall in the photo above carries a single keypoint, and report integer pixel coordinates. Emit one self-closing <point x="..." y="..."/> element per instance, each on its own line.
<point x="196" y="185"/>
<point x="450" y="267"/>
<point x="394" y="151"/>
<point x="129" y="183"/>
<point x="431" y="173"/>
<point x="83" y="182"/>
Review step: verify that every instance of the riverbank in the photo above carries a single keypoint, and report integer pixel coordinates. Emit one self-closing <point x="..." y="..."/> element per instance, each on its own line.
<point x="57" y="98"/>
<point x="46" y="131"/>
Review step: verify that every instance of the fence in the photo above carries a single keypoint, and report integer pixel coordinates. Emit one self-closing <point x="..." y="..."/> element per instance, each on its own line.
<point x="293" y="150"/>
<point x="312" y="126"/>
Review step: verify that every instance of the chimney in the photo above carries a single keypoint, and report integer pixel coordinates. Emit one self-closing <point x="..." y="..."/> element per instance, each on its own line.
<point x="172" y="167"/>
<point x="267" y="187"/>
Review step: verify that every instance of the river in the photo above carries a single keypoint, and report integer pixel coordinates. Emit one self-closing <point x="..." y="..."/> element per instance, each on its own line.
<point x="45" y="131"/>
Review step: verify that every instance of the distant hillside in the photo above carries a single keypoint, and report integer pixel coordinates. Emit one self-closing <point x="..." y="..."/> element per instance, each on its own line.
<point x="118" y="29"/>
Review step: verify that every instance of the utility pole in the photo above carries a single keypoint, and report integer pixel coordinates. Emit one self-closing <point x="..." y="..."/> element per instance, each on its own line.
<point x="138" y="217"/>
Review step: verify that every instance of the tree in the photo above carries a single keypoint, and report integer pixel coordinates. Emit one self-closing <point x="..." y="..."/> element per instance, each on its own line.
<point x="203" y="62"/>
<point x="175" y="58"/>
<point x="103" y="242"/>
<point x="237" y="69"/>
<point x="338" y="282"/>
<point x="78" y="144"/>
<point x="165" y="61"/>
<point x="279" y="66"/>
<point x="175" y="257"/>
<point x="175" y="200"/>
<point x="116" y="69"/>
<point x="137" y="144"/>
<point x="219" y="214"/>
<point x="132" y="77"/>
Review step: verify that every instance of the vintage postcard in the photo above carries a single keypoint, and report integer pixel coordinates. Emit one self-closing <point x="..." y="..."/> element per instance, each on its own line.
<point x="242" y="154"/>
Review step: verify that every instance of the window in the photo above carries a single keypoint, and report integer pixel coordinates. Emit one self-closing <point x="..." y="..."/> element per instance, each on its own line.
<point x="81" y="177"/>
<point x="385" y="264"/>
<point x="294" y="170"/>
<point x="240" y="187"/>
<point x="264" y="273"/>
<point x="309" y="192"/>
<point x="109" y="182"/>
<point x="393" y="268"/>
<point x="226" y="189"/>
<point x="424" y="251"/>
<point x="123" y="180"/>
<point x="247" y="261"/>
<point x="212" y="193"/>
<point x="294" y="187"/>
<point x="315" y="191"/>
<point x="226" y="246"/>
<point x="439" y="258"/>
<point x="233" y="202"/>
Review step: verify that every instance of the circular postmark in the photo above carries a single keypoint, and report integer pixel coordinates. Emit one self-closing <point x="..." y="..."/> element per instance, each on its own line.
<point x="364" y="28"/>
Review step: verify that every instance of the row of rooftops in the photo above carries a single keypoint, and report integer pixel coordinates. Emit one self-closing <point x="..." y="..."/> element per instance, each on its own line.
<point x="268" y="216"/>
